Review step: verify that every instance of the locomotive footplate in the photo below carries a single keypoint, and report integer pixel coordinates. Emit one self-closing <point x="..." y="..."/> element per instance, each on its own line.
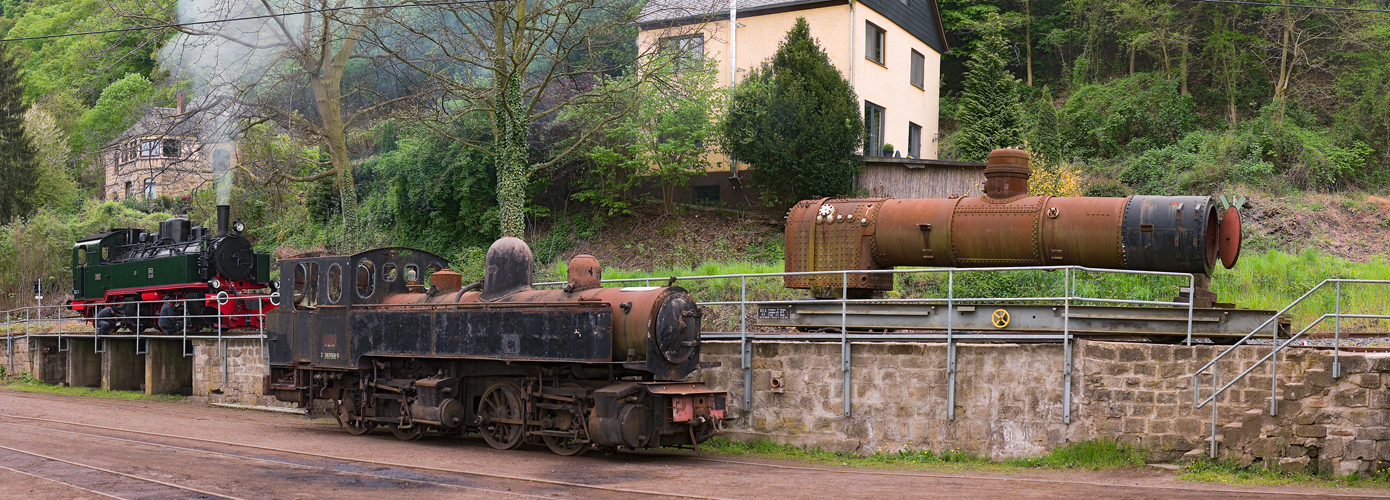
<point x="1165" y="323"/>
<point x="638" y="415"/>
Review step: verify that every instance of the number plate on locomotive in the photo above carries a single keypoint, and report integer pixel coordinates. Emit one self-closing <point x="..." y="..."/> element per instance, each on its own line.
<point x="774" y="312"/>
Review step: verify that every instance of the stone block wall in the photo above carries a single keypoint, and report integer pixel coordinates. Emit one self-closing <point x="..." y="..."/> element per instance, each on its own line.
<point x="245" y="372"/>
<point x="21" y="361"/>
<point x="1009" y="401"/>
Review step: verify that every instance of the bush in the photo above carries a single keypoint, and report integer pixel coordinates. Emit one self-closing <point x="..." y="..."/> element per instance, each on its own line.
<point x="1129" y="114"/>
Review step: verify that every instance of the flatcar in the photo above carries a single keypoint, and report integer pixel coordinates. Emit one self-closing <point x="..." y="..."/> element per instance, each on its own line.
<point x="134" y="268"/>
<point x="390" y="337"/>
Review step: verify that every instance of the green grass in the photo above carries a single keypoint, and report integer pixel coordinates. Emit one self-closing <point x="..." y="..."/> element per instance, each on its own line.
<point x="903" y="458"/>
<point x="1093" y="455"/>
<point x="1096" y="454"/>
<point x="1231" y="473"/>
<point x="26" y="383"/>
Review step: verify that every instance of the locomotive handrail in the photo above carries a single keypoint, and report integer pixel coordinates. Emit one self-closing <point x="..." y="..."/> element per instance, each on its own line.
<point x="1277" y="346"/>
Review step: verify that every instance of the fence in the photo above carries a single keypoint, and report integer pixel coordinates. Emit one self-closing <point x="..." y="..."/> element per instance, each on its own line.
<point x="1273" y="357"/>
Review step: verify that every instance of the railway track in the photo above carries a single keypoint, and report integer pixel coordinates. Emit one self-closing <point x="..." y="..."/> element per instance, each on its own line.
<point x="331" y="465"/>
<point x="86" y="477"/>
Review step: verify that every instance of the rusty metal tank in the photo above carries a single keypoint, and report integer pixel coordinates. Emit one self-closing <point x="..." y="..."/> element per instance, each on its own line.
<point x="1004" y="228"/>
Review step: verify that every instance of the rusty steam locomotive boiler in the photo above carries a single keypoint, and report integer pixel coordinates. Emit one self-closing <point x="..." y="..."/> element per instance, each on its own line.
<point x="1004" y="228"/>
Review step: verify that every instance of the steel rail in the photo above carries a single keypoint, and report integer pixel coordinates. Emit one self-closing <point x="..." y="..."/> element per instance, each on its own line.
<point x="365" y="461"/>
<point x="122" y="474"/>
<point x="276" y="462"/>
<point x="51" y="480"/>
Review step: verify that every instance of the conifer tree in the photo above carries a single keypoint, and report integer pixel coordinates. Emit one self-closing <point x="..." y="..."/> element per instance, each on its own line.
<point x="991" y="115"/>
<point x="19" y="167"/>
<point x="796" y="122"/>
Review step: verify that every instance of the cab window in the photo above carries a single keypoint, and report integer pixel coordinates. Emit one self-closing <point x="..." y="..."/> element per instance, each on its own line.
<point x="306" y="285"/>
<point x="335" y="283"/>
<point x="366" y="278"/>
<point x="82" y="255"/>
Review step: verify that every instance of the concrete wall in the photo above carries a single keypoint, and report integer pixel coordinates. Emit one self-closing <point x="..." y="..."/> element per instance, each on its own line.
<point x="1009" y="401"/>
<point x="245" y="372"/>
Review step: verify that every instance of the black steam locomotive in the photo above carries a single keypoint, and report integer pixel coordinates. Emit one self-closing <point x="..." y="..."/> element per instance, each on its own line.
<point x="392" y="338"/>
<point x="136" y="268"/>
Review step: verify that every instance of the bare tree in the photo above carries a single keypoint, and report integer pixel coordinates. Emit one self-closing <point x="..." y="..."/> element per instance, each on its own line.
<point x="511" y="64"/>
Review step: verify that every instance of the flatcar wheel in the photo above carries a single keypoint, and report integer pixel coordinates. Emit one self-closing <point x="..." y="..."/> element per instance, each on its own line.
<point x="412" y="433"/>
<point x="501" y="409"/>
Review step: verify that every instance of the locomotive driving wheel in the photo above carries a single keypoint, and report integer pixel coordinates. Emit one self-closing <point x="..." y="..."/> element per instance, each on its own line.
<point x="502" y="412"/>
<point x="567" y="420"/>
<point x="412" y="433"/>
<point x="350" y="422"/>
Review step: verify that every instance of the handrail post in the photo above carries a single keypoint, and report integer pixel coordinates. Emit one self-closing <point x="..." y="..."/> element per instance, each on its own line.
<point x="844" y="338"/>
<point x="950" y="345"/>
<point x="1191" y="301"/>
<point x="1066" y="346"/>
<point x="1274" y="370"/>
<point x="745" y="349"/>
<point x="1337" y="336"/>
<point x="1214" y="374"/>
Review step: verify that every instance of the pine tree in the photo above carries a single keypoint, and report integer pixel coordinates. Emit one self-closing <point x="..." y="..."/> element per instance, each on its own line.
<point x="991" y="114"/>
<point x="19" y="167"/>
<point x="796" y="122"/>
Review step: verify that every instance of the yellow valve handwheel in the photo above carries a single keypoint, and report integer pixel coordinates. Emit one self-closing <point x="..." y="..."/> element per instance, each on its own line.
<point x="1000" y="318"/>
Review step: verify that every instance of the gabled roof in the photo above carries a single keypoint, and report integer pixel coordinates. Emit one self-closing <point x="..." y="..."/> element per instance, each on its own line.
<point x="921" y="18"/>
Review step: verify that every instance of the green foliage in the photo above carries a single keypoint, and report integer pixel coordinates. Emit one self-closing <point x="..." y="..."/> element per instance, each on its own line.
<point x="796" y="121"/>
<point x="1094" y="454"/>
<point x="85" y="64"/>
<point x="1128" y="114"/>
<point x="55" y="187"/>
<point x="440" y="194"/>
<point x="879" y="458"/>
<point x="19" y="175"/>
<point x="26" y="383"/>
<point x="1230" y="472"/>
<point x="990" y="114"/>
<point x="663" y="138"/>
<point x="120" y="105"/>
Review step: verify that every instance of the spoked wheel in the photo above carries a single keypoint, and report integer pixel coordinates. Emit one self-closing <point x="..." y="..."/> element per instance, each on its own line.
<point x="353" y="426"/>
<point x="412" y="433"/>
<point x="564" y="420"/>
<point x="501" y="409"/>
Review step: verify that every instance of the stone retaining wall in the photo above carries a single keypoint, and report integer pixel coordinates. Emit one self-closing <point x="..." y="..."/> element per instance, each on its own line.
<point x="21" y="361"/>
<point x="245" y="372"/>
<point x="1009" y="401"/>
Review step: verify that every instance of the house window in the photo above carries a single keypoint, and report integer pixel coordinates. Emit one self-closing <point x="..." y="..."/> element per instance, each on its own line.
<point x="914" y="140"/>
<point x="686" y="52"/>
<point x="873" y="43"/>
<point x="128" y="191"/>
<point x="919" y="63"/>
<point x="149" y="188"/>
<point x="171" y="148"/>
<point x="149" y="149"/>
<point x="873" y="128"/>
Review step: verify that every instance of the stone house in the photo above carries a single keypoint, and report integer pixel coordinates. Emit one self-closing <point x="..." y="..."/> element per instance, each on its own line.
<point x="168" y="152"/>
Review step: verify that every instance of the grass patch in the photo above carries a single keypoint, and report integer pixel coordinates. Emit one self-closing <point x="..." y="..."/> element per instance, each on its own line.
<point x="1231" y="473"/>
<point x="1095" y="454"/>
<point x="26" y="383"/>
<point x="903" y="458"/>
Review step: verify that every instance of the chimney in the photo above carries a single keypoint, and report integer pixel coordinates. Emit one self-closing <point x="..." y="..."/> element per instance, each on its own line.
<point x="182" y="100"/>
<point x="223" y="213"/>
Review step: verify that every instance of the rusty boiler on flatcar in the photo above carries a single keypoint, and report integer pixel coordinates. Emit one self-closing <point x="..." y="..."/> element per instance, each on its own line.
<point x="1005" y="228"/>
<point x="576" y="368"/>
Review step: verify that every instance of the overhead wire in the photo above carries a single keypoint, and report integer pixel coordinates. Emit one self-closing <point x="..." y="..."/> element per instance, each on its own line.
<point x="246" y="18"/>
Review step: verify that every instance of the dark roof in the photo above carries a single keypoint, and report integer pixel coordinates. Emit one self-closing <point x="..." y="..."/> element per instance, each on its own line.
<point x="921" y="18"/>
<point x="206" y="116"/>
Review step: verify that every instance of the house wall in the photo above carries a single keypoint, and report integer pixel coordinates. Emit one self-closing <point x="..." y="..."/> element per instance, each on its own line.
<point x="888" y="85"/>
<point x="174" y="176"/>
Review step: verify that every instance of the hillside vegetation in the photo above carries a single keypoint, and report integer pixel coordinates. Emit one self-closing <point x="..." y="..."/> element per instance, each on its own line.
<point x="1286" y="106"/>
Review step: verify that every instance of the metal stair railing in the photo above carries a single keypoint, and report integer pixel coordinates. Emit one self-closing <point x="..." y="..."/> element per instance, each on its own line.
<point x="1273" y="356"/>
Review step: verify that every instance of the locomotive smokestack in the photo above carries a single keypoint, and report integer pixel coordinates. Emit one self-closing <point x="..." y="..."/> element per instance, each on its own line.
<point x="224" y="212"/>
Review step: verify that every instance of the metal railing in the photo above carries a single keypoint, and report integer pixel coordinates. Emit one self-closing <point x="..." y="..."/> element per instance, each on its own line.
<point x="40" y="322"/>
<point x="951" y="336"/>
<point x="1273" y="357"/>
